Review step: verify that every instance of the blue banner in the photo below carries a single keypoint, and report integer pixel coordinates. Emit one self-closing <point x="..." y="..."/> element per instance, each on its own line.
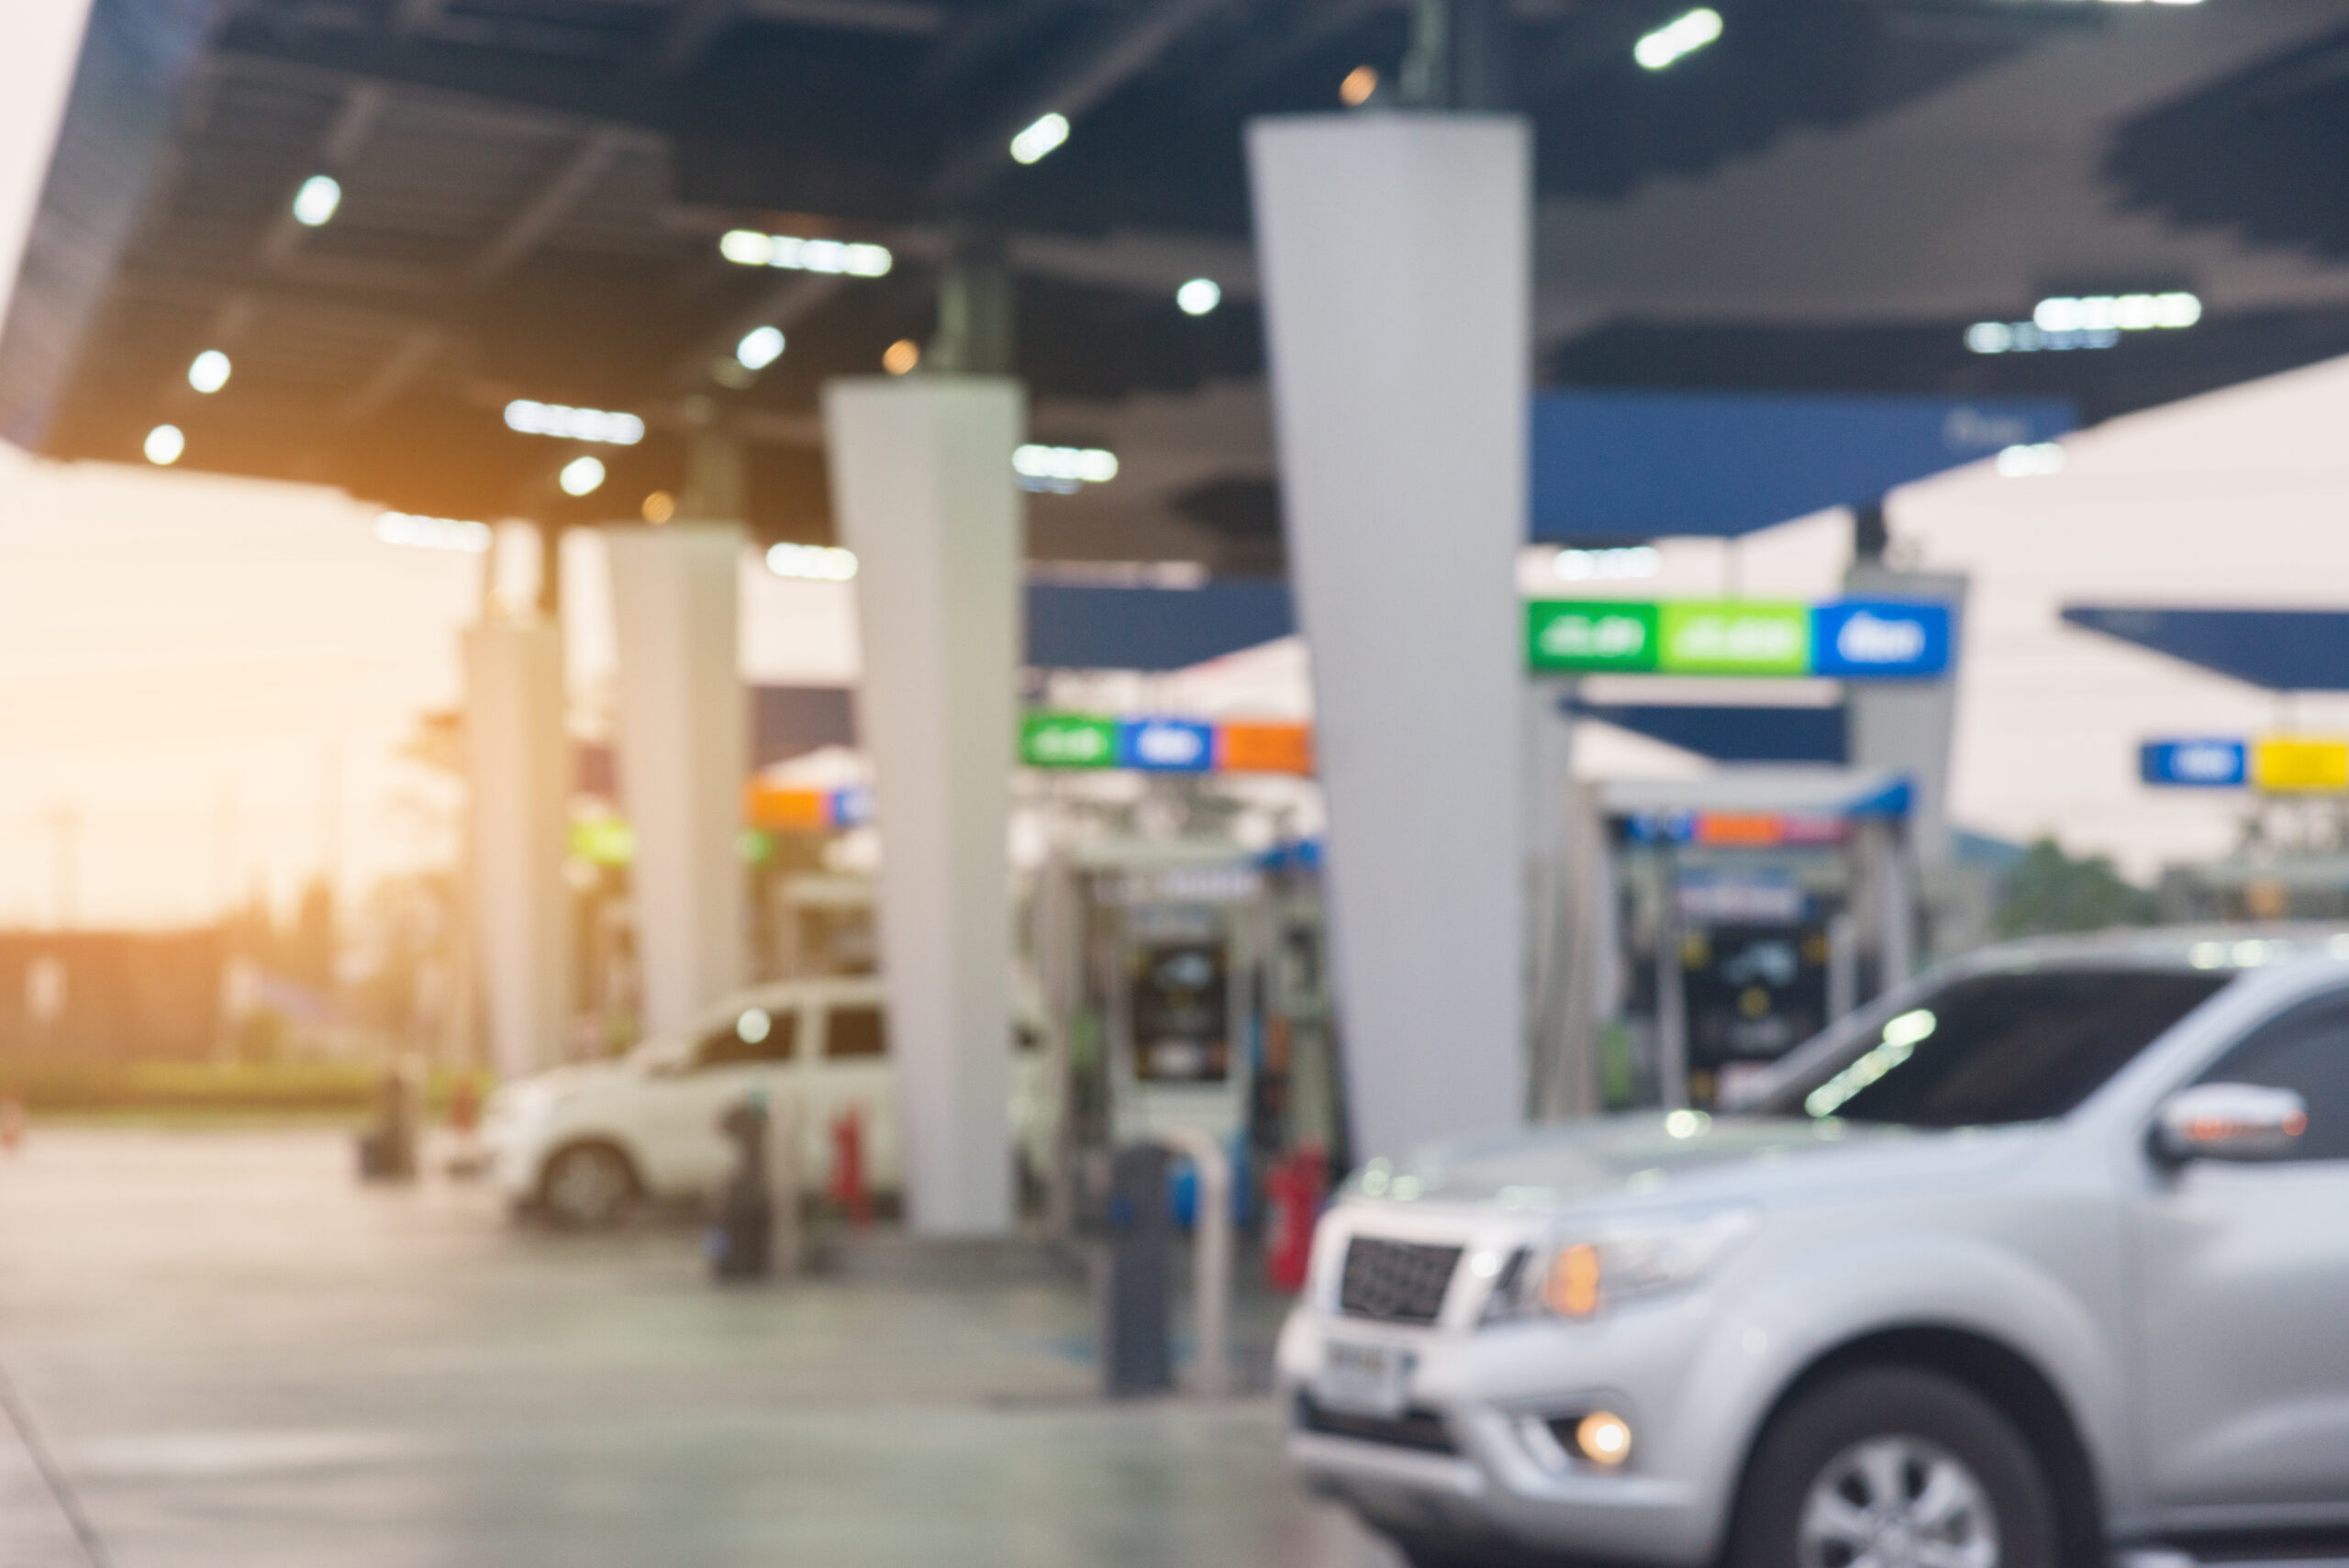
<point x="1880" y="638"/>
<point x="2195" y="764"/>
<point x="1166" y="746"/>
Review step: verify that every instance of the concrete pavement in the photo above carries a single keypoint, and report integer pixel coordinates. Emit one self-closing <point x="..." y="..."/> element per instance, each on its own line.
<point x="242" y="1357"/>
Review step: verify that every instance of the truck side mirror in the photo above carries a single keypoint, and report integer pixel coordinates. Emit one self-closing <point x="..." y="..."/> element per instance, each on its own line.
<point x="2229" y="1121"/>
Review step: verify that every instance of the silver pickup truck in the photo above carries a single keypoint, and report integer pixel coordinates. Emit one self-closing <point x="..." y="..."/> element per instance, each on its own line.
<point x="2041" y="1259"/>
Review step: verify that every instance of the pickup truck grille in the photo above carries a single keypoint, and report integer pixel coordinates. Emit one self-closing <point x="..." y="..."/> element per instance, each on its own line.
<point x="1395" y="1282"/>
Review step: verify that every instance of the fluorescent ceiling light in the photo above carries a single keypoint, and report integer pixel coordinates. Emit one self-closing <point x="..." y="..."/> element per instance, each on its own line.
<point x="2028" y="462"/>
<point x="1682" y="36"/>
<point x="816" y="562"/>
<point x="855" y="258"/>
<point x="1048" y="132"/>
<point x="1198" y="296"/>
<point x="164" y="444"/>
<point x="316" y="201"/>
<point x="1061" y="469"/>
<point x="2084" y="321"/>
<point x="1582" y="565"/>
<point x="2028" y="337"/>
<point x="574" y="424"/>
<point x="435" y="533"/>
<point x="760" y="347"/>
<point x="2122" y="312"/>
<point x="209" y="372"/>
<point x="581" y="476"/>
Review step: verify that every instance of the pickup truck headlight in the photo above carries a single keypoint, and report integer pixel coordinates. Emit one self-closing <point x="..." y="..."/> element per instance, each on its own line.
<point x="1580" y="1277"/>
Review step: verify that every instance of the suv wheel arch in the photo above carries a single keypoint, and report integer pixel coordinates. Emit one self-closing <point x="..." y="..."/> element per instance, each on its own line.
<point x="2004" y="1377"/>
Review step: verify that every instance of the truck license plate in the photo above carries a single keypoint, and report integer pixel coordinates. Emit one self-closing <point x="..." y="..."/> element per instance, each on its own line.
<point x="1367" y="1380"/>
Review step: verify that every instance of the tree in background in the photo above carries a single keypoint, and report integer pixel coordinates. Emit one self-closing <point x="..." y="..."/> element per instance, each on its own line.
<point x="2048" y="890"/>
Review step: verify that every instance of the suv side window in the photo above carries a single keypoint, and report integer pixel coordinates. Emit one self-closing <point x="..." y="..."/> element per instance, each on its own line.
<point x="2307" y="1052"/>
<point x="757" y="1035"/>
<point x="854" y="1032"/>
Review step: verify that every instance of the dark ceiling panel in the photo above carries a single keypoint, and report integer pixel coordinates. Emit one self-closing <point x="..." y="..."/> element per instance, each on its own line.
<point x="136" y="59"/>
<point x="2266" y="154"/>
<point x="2142" y="371"/>
<point x="598" y="151"/>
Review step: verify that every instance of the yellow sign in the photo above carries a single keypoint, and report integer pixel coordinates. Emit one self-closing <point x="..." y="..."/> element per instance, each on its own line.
<point x="2299" y="764"/>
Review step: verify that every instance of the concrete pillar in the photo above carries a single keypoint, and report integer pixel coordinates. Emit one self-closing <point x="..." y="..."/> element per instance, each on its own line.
<point x="922" y="487"/>
<point x="1909" y="726"/>
<point x="517" y="761"/>
<point x="683" y="757"/>
<point x="1394" y="253"/>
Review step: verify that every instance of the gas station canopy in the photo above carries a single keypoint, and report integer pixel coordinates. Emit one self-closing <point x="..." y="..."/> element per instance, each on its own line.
<point x="397" y="222"/>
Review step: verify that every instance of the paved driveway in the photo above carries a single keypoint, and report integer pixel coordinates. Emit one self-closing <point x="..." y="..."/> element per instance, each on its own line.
<point x="240" y="1357"/>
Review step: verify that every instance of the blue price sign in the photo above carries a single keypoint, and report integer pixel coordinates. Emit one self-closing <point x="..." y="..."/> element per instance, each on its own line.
<point x="2194" y="764"/>
<point x="1901" y="639"/>
<point x="1166" y="746"/>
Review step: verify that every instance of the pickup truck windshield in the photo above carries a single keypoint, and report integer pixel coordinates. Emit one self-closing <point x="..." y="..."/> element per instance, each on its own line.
<point x="2002" y="1047"/>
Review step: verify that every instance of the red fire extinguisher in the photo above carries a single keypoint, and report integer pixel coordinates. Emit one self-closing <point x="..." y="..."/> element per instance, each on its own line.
<point x="1292" y="1193"/>
<point x="847" y="1166"/>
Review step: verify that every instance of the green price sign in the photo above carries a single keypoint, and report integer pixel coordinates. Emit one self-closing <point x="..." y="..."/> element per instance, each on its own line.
<point x="1067" y="740"/>
<point x="1596" y="635"/>
<point x="1736" y="638"/>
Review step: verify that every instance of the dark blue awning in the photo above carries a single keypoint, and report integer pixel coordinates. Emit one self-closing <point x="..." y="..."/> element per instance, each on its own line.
<point x="1085" y="627"/>
<point x="1635" y="465"/>
<point x="2284" y="651"/>
<point x="1733" y="733"/>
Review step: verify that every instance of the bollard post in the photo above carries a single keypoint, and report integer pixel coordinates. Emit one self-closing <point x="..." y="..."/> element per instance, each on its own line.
<point x="1135" y="1356"/>
<point x="1211" y="1258"/>
<point x="787" y="1239"/>
<point x="741" y="1234"/>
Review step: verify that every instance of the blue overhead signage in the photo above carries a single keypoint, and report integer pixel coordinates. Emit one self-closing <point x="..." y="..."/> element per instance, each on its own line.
<point x="1635" y="465"/>
<point x="2195" y="764"/>
<point x="1166" y="746"/>
<point x="1880" y="638"/>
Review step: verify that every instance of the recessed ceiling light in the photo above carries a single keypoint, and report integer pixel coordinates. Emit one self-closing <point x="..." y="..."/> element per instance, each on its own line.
<point x="1198" y="296"/>
<point x="1039" y="138"/>
<point x="316" y="201"/>
<point x="581" y="476"/>
<point x="1677" y="38"/>
<point x="760" y="347"/>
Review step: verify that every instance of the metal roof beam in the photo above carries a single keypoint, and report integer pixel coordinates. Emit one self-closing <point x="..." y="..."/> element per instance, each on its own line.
<point x="693" y="28"/>
<point x="409" y="358"/>
<point x="907" y="16"/>
<point x="416" y="16"/>
<point x="542" y="87"/>
<point x="1092" y="77"/>
<point x="544" y="212"/>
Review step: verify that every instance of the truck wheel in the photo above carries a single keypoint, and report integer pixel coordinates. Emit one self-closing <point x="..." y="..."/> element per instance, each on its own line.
<point x="587" y="1186"/>
<point x="1893" y="1467"/>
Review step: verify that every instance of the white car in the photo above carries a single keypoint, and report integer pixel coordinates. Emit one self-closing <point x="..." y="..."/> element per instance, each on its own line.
<point x="585" y="1142"/>
<point x="2042" y="1258"/>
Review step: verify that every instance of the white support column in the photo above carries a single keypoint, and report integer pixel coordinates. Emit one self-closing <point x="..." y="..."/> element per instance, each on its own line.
<point x="683" y="757"/>
<point x="923" y="490"/>
<point x="1910" y="725"/>
<point x="517" y="761"/>
<point x="1396" y="255"/>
